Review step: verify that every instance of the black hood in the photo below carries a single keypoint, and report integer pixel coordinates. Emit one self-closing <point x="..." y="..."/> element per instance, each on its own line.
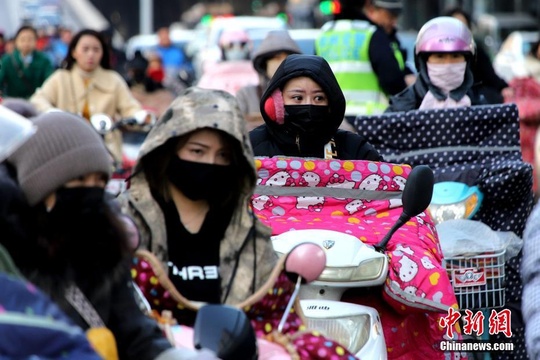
<point x="316" y="68"/>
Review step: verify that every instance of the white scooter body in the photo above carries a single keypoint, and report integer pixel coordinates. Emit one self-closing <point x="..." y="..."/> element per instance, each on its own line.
<point x="349" y="264"/>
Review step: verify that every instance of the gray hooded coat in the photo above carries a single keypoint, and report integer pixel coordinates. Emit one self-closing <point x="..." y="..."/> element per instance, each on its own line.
<point x="275" y="42"/>
<point x="246" y="243"/>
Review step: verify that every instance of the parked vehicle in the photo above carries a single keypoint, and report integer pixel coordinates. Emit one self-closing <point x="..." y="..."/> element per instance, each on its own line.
<point x="148" y="42"/>
<point x="305" y="38"/>
<point x="209" y="52"/>
<point x="494" y="28"/>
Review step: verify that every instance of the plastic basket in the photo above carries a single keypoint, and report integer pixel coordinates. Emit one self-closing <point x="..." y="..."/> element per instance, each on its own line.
<point x="478" y="280"/>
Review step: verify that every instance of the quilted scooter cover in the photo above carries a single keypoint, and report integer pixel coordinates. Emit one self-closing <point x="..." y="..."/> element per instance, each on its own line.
<point x="362" y="198"/>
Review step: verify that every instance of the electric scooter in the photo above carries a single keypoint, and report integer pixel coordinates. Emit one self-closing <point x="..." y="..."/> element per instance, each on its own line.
<point x="353" y="264"/>
<point x="474" y="254"/>
<point x="227" y="330"/>
<point x="132" y="139"/>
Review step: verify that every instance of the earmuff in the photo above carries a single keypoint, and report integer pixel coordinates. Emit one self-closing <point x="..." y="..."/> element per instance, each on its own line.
<point x="274" y="107"/>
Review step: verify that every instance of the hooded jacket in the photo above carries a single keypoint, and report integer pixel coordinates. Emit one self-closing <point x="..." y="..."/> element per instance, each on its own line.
<point x="273" y="139"/>
<point x="246" y="243"/>
<point x="412" y="96"/>
<point x="275" y="42"/>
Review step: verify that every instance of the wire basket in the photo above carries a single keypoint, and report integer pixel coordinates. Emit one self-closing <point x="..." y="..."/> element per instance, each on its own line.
<point x="478" y="280"/>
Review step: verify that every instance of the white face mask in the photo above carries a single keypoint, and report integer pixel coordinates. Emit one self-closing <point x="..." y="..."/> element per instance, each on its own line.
<point x="447" y="77"/>
<point x="237" y="52"/>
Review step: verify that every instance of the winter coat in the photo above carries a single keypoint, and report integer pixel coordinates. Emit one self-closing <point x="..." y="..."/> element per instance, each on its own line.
<point x="248" y="265"/>
<point x="411" y="98"/>
<point x="270" y="139"/>
<point x="20" y="81"/>
<point x="532" y="67"/>
<point x="31" y="326"/>
<point x="137" y="336"/>
<point x="249" y="96"/>
<point x="107" y="93"/>
<point x="244" y="232"/>
<point x="530" y="269"/>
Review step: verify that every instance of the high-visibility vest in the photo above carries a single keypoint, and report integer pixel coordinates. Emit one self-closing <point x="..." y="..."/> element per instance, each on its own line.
<point x="345" y="45"/>
<point x="398" y="55"/>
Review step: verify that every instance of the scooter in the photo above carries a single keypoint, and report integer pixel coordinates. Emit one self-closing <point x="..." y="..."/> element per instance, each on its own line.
<point x="353" y="264"/>
<point x="474" y="254"/>
<point x="16" y="129"/>
<point x="227" y="331"/>
<point x="138" y="127"/>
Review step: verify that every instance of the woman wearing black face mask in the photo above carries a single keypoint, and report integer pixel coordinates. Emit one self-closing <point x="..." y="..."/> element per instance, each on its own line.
<point x="77" y="248"/>
<point x="190" y="198"/>
<point x="303" y="108"/>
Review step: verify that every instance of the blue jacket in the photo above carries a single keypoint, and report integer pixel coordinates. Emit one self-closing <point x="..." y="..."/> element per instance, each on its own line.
<point x="32" y="326"/>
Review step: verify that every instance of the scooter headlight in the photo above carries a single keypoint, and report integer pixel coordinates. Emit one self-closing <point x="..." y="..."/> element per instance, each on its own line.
<point x="368" y="270"/>
<point x="351" y="332"/>
<point x="454" y="200"/>
<point x="460" y="210"/>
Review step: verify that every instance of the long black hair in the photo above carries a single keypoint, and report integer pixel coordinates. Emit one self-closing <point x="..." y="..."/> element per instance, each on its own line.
<point x="69" y="60"/>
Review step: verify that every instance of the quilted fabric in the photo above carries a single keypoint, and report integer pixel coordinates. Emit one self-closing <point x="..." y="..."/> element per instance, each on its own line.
<point x="265" y="314"/>
<point x="479" y="145"/>
<point x="361" y="198"/>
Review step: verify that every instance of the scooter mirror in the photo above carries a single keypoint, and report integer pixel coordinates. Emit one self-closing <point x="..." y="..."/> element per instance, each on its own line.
<point x="226" y="331"/>
<point x="418" y="190"/>
<point x="143" y="117"/>
<point x="16" y="129"/>
<point x="101" y="122"/>
<point x="307" y="260"/>
<point x="416" y="198"/>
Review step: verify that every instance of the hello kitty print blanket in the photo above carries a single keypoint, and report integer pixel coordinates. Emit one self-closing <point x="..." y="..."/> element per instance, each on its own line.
<point x="362" y="198"/>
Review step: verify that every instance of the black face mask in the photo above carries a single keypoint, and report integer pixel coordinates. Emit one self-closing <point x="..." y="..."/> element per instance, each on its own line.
<point x="79" y="200"/>
<point x="81" y="233"/>
<point x="308" y="119"/>
<point x="202" y="181"/>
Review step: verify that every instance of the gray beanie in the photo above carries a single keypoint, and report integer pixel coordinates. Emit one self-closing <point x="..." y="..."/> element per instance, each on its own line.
<point x="63" y="148"/>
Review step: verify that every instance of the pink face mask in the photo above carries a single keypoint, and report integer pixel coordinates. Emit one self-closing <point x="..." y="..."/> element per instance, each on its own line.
<point x="447" y="77"/>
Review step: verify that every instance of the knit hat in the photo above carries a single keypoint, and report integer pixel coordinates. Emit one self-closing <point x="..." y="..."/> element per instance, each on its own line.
<point x="64" y="147"/>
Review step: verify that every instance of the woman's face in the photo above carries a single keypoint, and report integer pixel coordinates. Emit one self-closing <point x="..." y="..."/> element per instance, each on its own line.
<point x="303" y="91"/>
<point x="95" y="179"/>
<point x="26" y="41"/>
<point x="445" y="58"/>
<point x="273" y="63"/>
<point x="206" y="146"/>
<point x="88" y="52"/>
